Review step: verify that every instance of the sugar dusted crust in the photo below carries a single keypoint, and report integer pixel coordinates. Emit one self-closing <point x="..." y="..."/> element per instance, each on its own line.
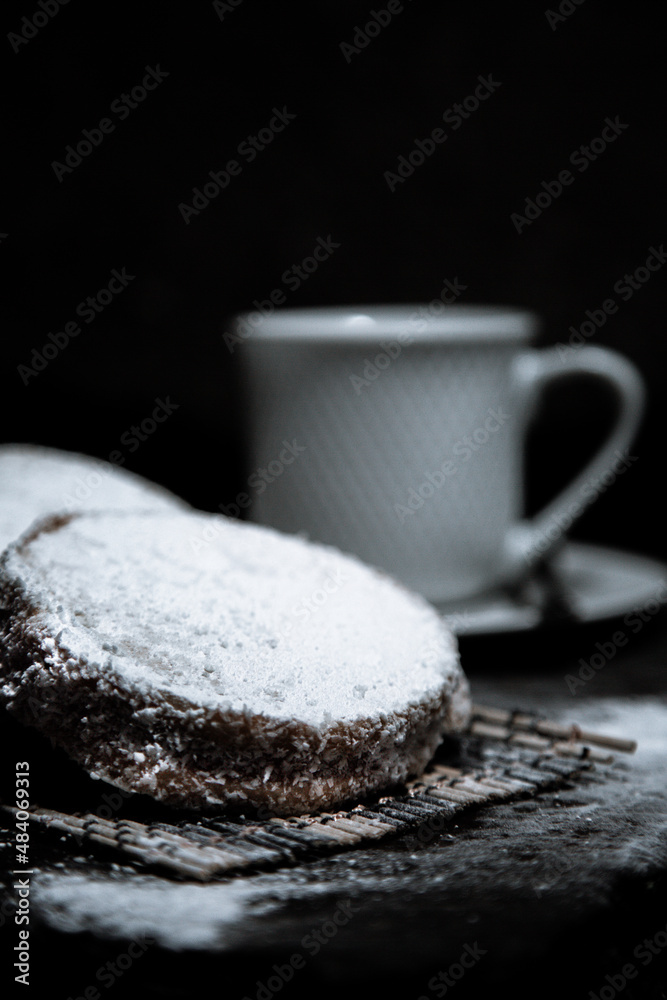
<point x="34" y="481"/>
<point x="168" y="732"/>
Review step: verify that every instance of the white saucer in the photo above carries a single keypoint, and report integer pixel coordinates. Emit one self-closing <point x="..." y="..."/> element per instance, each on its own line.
<point x="592" y="583"/>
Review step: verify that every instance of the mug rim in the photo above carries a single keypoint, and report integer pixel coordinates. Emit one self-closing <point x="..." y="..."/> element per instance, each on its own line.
<point x="365" y="323"/>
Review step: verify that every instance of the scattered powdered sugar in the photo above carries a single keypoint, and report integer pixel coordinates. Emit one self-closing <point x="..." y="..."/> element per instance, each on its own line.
<point x="251" y="621"/>
<point x="215" y="917"/>
<point x="127" y="905"/>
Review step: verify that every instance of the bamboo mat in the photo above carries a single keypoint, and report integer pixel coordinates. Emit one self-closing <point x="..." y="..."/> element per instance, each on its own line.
<point x="518" y="755"/>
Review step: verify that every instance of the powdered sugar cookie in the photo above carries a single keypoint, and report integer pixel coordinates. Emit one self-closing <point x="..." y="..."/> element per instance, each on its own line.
<point x="209" y="662"/>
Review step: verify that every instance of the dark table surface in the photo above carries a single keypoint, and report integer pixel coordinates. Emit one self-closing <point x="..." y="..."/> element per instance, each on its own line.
<point x="562" y="894"/>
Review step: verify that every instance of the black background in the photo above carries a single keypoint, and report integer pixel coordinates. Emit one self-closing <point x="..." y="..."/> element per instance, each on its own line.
<point x="324" y="175"/>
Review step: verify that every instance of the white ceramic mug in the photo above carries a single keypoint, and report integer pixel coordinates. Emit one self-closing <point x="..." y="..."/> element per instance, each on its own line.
<point x="406" y="431"/>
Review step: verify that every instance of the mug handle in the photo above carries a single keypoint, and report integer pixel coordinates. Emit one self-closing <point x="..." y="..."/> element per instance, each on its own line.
<point x="528" y="542"/>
